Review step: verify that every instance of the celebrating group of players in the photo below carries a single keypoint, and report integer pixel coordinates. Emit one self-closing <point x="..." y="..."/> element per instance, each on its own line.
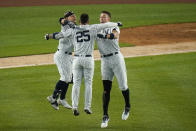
<point x="82" y="38"/>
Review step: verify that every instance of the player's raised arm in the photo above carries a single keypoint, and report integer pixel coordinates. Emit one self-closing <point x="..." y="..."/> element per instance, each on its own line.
<point x="64" y="34"/>
<point x="59" y="35"/>
<point x="100" y="27"/>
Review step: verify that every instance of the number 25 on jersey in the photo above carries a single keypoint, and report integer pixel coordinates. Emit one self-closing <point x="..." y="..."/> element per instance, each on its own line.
<point x="83" y="36"/>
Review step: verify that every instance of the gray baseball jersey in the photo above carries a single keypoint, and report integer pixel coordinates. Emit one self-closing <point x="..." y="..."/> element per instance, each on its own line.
<point x="65" y="44"/>
<point x="63" y="57"/>
<point x="112" y="61"/>
<point x="83" y="65"/>
<point x="107" y="46"/>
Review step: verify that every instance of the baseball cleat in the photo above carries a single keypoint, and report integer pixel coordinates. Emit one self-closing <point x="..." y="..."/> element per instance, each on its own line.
<point x="53" y="102"/>
<point x="51" y="99"/>
<point x="105" y="120"/>
<point x="125" y="113"/>
<point x="76" y="112"/>
<point x="88" y="111"/>
<point x="64" y="103"/>
<point x="55" y="105"/>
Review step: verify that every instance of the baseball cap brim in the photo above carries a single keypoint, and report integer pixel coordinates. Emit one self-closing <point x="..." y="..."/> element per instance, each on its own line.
<point x="69" y="13"/>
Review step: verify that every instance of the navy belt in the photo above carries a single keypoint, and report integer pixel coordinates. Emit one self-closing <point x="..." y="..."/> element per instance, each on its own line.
<point x="83" y="55"/>
<point x="69" y="53"/>
<point x="111" y="54"/>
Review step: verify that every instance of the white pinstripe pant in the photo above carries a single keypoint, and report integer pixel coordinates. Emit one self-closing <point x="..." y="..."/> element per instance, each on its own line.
<point x="115" y="65"/>
<point x="64" y="64"/>
<point x="82" y="67"/>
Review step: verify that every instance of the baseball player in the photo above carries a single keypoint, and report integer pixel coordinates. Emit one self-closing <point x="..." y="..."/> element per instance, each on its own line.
<point x="63" y="61"/>
<point x="83" y="63"/>
<point x="112" y="63"/>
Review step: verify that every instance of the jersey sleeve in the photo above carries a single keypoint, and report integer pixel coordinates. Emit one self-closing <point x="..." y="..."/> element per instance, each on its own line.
<point x="99" y="27"/>
<point x="64" y="34"/>
<point x="68" y="32"/>
<point x="64" y="28"/>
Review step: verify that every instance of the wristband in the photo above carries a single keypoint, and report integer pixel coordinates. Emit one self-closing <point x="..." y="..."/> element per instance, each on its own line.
<point x="111" y="36"/>
<point x="53" y="35"/>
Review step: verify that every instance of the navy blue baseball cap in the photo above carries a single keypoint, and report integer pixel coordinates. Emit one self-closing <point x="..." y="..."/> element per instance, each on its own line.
<point x="68" y="13"/>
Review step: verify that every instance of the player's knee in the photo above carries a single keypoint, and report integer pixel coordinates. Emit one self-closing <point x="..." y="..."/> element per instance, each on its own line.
<point x="63" y="78"/>
<point x="123" y="88"/>
<point x="61" y="83"/>
<point x="107" y="85"/>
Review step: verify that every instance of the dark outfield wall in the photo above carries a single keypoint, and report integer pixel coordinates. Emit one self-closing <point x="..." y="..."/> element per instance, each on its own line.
<point x="7" y="3"/>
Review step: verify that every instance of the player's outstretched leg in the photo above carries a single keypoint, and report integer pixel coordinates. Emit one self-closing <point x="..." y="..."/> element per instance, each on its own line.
<point x="62" y="101"/>
<point x="106" y="99"/>
<point x="77" y="73"/>
<point x="125" y="113"/>
<point x="88" y="80"/>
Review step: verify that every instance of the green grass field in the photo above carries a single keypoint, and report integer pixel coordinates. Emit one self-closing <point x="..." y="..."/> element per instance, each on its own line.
<point x="23" y="28"/>
<point x="162" y="96"/>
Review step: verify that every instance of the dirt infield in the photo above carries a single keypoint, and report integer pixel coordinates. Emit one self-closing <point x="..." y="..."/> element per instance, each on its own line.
<point x="7" y="3"/>
<point x="159" y="34"/>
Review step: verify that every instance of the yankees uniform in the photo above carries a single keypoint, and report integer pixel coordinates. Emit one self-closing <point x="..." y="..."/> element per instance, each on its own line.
<point x="63" y="61"/>
<point x="83" y="63"/>
<point x="112" y="63"/>
<point x="63" y="57"/>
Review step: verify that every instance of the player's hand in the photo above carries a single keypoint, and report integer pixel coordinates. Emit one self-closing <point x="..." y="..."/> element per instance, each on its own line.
<point x="101" y="36"/>
<point x="61" y="20"/>
<point x="64" y="22"/>
<point x="71" y="25"/>
<point x="46" y="36"/>
<point x="119" y="24"/>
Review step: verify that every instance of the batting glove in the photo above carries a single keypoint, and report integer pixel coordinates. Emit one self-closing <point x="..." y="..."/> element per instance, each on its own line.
<point x="101" y="36"/>
<point x="119" y="24"/>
